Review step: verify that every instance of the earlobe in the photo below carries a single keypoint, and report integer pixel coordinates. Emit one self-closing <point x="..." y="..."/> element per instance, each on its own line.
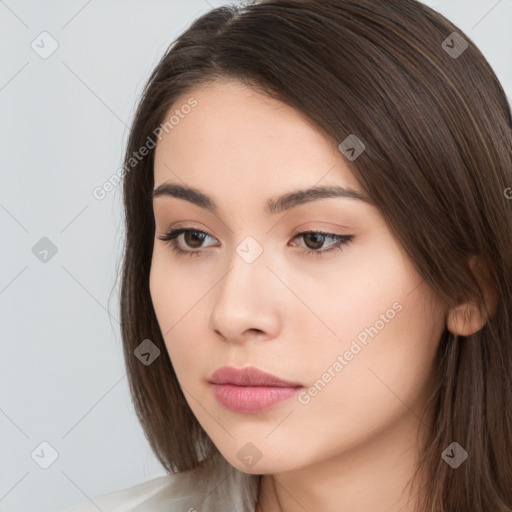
<point x="467" y="318"/>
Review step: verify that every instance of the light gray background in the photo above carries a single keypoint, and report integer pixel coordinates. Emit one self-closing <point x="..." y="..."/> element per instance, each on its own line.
<point x="64" y="122"/>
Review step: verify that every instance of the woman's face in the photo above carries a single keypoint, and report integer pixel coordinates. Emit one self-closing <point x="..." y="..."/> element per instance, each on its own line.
<point x="356" y="326"/>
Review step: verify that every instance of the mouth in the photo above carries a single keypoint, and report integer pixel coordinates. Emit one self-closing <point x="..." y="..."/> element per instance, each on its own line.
<point x="250" y="390"/>
<point x="251" y="399"/>
<point x="249" y="376"/>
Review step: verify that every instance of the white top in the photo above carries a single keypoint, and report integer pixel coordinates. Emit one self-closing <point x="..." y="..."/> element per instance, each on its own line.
<point x="192" y="491"/>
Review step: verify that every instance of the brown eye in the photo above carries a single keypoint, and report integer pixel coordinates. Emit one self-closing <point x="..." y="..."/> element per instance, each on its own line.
<point x="318" y="240"/>
<point x="314" y="240"/>
<point x="193" y="239"/>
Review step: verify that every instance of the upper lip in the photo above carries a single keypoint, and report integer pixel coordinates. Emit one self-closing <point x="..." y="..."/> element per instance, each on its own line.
<point x="249" y="376"/>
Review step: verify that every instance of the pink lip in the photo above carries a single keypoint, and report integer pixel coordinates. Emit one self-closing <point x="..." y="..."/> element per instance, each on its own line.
<point x="250" y="390"/>
<point x="249" y="376"/>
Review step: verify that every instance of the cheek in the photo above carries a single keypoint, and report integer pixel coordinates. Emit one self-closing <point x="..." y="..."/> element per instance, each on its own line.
<point x="391" y="370"/>
<point x="388" y="325"/>
<point x="387" y="379"/>
<point x="364" y="289"/>
<point x="161" y="291"/>
<point x="176" y="306"/>
<point x="172" y="293"/>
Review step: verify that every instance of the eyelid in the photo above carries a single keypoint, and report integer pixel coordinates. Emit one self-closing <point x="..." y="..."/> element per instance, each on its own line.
<point x="294" y="232"/>
<point x="331" y="229"/>
<point x="172" y="234"/>
<point x="297" y="231"/>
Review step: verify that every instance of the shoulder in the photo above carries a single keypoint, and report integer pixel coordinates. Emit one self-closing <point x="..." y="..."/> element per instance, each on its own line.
<point x="226" y="488"/>
<point x="126" y="499"/>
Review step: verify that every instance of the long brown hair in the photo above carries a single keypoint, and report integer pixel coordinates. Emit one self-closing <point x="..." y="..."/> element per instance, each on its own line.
<point x="437" y="130"/>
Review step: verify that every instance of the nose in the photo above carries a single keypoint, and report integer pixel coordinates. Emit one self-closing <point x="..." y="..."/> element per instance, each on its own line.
<point x="246" y="301"/>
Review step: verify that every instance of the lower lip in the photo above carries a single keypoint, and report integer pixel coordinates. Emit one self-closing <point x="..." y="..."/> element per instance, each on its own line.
<point x="251" y="399"/>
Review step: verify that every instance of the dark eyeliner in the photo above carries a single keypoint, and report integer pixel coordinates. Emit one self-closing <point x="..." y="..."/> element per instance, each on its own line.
<point x="341" y="241"/>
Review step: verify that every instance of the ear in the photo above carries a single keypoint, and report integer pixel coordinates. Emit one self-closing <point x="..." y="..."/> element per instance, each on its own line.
<point x="468" y="318"/>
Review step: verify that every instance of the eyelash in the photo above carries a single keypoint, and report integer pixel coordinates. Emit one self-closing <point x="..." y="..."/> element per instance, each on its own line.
<point x="341" y="241"/>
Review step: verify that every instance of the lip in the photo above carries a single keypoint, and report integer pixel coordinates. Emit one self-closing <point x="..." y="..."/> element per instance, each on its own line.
<point x="249" y="376"/>
<point x="250" y="390"/>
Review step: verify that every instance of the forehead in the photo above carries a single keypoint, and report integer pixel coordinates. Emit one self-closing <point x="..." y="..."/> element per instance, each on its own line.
<point x="237" y="137"/>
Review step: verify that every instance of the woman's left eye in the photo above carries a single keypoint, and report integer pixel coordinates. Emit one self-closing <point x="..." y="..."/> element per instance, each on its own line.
<point x="317" y="238"/>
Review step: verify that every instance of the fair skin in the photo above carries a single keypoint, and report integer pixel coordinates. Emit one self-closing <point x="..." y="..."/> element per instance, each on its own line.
<point x="353" y="446"/>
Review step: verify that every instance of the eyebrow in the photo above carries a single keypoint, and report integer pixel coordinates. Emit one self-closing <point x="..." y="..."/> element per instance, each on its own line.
<point x="273" y="206"/>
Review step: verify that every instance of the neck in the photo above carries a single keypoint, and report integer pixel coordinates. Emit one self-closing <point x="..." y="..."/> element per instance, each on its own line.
<point x="372" y="477"/>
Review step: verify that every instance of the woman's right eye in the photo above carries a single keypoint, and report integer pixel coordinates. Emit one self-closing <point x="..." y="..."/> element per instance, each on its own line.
<point x="171" y="237"/>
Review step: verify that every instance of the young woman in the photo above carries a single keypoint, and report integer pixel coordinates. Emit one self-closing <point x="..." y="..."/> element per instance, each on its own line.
<point x="317" y="281"/>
